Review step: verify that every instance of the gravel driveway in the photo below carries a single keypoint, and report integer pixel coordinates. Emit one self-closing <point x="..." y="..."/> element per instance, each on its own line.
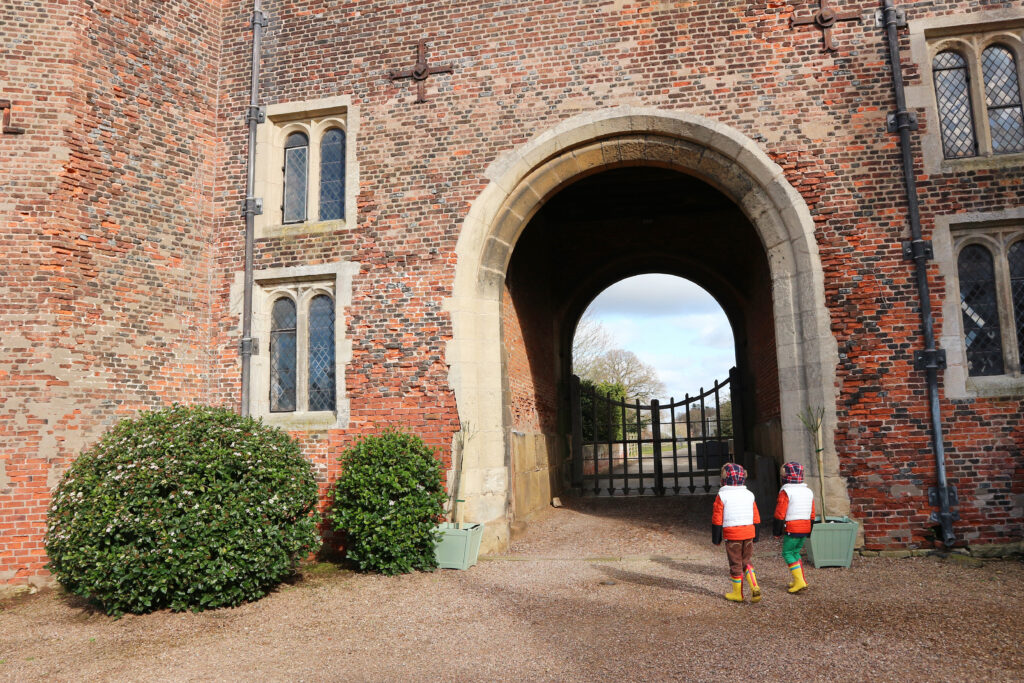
<point x="598" y="590"/>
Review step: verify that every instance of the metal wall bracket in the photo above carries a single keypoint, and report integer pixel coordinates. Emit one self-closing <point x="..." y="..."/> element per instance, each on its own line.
<point x="901" y="18"/>
<point x="917" y="248"/>
<point x="254" y="205"/>
<point x="892" y="121"/>
<point x="935" y="501"/>
<point x="930" y="358"/>
<point x="254" y="113"/>
<point x="259" y="19"/>
<point x="249" y="346"/>
<point x="5" y="108"/>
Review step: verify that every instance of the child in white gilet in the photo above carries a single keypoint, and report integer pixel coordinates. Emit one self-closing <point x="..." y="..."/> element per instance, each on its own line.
<point x="794" y="515"/>
<point x="735" y="518"/>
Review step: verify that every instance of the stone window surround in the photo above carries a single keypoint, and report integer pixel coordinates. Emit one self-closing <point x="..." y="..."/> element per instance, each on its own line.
<point x="952" y="232"/>
<point x="301" y="283"/>
<point x="313" y="117"/>
<point x="968" y="35"/>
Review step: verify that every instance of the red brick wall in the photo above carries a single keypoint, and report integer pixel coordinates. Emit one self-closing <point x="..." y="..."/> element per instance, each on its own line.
<point x="134" y="165"/>
<point x="520" y="67"/>
<point x="106" y="214"/>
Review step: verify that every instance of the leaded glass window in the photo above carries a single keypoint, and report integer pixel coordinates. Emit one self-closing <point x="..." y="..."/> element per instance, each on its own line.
<point x="953" y="94"/>
<point x="1016" y="259"/>
<point x="332" y="175"/>
<point x="296" y="178"/>
<point x="282" y="355"/>
<point x="1002" y="97"/>
<point x="321" y="353"/>
<point x="980" y="310"/>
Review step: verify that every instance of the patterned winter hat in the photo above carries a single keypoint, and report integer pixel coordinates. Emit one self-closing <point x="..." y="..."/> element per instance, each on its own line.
<point x="733" y="474"/>
<point x="792" y="473"/>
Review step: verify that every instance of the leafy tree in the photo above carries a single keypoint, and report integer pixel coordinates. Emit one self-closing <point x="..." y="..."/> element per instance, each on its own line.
<point x="609" y="426"/>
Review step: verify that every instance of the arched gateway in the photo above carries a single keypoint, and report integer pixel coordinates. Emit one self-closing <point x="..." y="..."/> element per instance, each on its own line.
<point x="522" y="181"/>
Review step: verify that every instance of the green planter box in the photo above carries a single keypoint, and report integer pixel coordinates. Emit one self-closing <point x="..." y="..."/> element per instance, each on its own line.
<point x="458" y="546"/>
<point x="832" y="542"/>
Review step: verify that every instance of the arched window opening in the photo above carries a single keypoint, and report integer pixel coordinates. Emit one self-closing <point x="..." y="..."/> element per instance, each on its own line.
<point x="953" y="94"/>
<point x="980" y="310"/>
<point x="1016" y="259"/>
<point x="282" y="356"/>
<point x="321" y="353"/>
<point x="296" y="178"/>
<point x="332" y="175"/>
<point x="1002" y="97"/>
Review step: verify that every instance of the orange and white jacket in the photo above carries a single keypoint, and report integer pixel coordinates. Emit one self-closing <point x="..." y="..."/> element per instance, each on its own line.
<point x="795" y="507"/>
<point x="735" y="512"/>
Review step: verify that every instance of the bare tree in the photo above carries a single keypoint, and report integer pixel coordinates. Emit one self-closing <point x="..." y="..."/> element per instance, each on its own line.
<point x="592" y="341"/>
<point x="623" y="367"/>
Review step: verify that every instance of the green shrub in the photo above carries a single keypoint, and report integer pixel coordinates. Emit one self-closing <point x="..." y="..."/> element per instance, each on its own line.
<point x="186" y="508"/>
<point x="387" y="502"/>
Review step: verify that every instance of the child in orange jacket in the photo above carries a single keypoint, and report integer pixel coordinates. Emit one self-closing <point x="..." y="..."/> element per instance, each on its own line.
<point x="794" y="515"/>
<point x="735" y="517"/>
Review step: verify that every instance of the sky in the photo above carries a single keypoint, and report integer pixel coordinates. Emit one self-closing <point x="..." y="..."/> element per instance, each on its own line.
<point x="671" y="324"/>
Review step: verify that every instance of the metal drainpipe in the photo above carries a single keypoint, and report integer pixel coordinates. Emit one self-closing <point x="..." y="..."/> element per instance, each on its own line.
<point x="931" y="359"/>
<point x="253" y="206"/>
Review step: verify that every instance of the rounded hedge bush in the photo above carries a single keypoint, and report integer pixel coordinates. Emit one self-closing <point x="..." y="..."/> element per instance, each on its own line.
<point x="388" y="501"/>
<point x="184" y="507"/>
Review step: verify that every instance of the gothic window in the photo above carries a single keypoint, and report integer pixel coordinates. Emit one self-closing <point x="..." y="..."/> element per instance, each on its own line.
<point x="1016" y="262"/>
<point x="332" y="175"/>
<point x="980" y="311"/>
<point x="976" y="78"/>
<point x="297" y="374"/>
<point x="321" y="353"/>
<point x="282" y="355"/>
<point x="302" y="343"/>
<point x="305" y="171"/>
<point x="1002" y="97"/>
<point x="954" y="99"/>
<point x="296" y="175"/>
<point x="990" y="275"/>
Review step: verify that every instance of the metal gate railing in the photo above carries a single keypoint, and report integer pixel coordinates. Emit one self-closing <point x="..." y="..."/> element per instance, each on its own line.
<point x="621" y="448"/>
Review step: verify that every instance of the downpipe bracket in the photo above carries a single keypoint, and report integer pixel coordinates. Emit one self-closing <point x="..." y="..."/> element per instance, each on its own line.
<point x="915" y="249"/>
<point x="930" y="359"/>
<point x="255" y="113"/>
<point x="900" y="119"/>
<point x="249" y="346"/>
<point x="253" y="205"/>
<point x="935" y="500"/>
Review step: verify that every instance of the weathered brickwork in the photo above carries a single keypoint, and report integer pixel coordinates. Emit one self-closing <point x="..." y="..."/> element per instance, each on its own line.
<point x="122" y="225"/>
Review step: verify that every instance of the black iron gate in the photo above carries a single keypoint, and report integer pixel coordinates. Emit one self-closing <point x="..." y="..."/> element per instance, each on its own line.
<point x="622" y="448"/>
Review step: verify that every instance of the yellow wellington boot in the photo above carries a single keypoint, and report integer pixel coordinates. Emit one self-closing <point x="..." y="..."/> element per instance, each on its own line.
<point x="798" y="583"/>
<point x="736" y="594"/>
<point x="755" y="590"/>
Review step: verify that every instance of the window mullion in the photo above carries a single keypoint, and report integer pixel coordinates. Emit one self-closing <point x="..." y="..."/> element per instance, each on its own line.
<point x="313" y="190"/>
<point x="979" y="104"/>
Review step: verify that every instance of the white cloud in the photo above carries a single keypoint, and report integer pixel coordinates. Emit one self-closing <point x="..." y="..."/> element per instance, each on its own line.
<point x="654" y="295"/>
<point x="681" y="330"/>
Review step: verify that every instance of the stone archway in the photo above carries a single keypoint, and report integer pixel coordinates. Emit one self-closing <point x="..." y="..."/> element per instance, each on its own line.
<point x="520" y="183"/>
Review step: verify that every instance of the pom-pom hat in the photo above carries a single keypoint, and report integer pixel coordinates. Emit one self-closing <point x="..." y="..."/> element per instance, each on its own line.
<point x="792" y="473"/>
<point x="733" y="474"/>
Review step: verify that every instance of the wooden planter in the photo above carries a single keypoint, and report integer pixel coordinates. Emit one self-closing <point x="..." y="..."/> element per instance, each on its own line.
<point x="458" y="546"/>
<point x="832" y="542"/>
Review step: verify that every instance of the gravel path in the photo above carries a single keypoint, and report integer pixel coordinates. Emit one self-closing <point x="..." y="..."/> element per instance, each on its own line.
<point x="599" y="590"/>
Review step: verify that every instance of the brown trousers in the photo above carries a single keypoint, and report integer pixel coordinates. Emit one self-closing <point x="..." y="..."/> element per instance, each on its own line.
<point x="739" y="553"/>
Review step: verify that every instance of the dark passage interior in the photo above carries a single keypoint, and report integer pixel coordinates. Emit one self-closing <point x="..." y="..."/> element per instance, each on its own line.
<point x="599" y="230"/>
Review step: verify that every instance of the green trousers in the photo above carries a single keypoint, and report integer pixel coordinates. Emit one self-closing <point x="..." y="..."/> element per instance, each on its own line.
<point x="791" y="546"/>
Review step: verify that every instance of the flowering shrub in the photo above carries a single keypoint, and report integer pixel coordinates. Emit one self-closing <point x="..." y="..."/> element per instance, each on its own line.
<point x="186" y="508"/>
<point x="388" y="501"/>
